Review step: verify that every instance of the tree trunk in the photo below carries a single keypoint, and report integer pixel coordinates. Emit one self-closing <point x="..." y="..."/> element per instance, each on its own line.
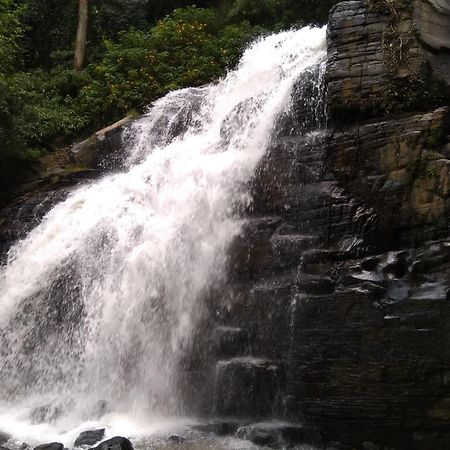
<point x="80" y="45"/>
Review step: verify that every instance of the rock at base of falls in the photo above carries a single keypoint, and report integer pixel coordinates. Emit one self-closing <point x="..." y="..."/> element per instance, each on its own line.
<point x="4" y="437"/>
<point x="273" y="434"/>
<point x="89" y="437"/>
<point x="247" y="386"/>
<point x="177" y="440"/>
<point x="115" y="443"/>
<point x="51" y="446"/>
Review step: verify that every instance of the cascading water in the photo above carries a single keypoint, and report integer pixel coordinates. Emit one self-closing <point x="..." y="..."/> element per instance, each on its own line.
<point x="99" y="302"/>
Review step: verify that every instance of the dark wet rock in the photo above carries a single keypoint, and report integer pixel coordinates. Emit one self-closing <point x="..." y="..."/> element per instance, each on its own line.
<point x="368" y="445"/>
<point x="252" y="250"/>
<point x="89" y="437"/>
<point x="19" y="218"/>
<point x="288" y="248"/>
<point x="51" y="446"/>
<point x="115" y="443"/>
<point x="367" y="77"/>
<point x="260" y="437"/>
<point x="333" y="445"/>
<point x="368" y="156"/>
<point x="273" y="434"/>
<point x="4" y="437"/>
<point x="230" y="341"/>
<point x="220" y="428"/>
<point x="432" y="22"/>
<point x="315" y="284"/>
<point x="104" y="150"/>
<point x="178" y="440"/>
<point x="349" y="291"/>
<point x="246" y="386"/>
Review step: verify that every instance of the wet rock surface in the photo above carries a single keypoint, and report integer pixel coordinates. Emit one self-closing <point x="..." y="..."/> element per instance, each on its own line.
<point x="4" y="437"/>
<point x="115" y="443"/>
<point x="385" y="59"/>
<point x="259" y="379"/>
<point x="272" y="434"/>
<point x="347" y="293"/>
<point x="223" y="435"/>
<point x="89" y="437"/>
<point x="103" y="150"/>
<point x="51" y="446"/>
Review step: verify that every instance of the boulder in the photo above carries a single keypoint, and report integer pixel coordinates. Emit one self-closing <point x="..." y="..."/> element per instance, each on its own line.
<point x="50" y="446"/>
<point x="246" y="386"/>
<point x="177" y="440"/>
<point x="115" y="443"/>
<point x="104" y="150"/>
<point x="273" y="434"/>
<point x="89" y="437"/>
<point x="4" y="437"/>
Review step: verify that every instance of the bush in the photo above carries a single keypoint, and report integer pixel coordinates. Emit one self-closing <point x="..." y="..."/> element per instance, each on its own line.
<point x="255" y="11"/>
<point x="127" y="70"/>
<point x="11" y="32"/>
<point x="33" y="112"/>
<point x="188" y="48"/>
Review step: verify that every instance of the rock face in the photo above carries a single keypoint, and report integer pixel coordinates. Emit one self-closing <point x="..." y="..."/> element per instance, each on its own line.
<point x="51" y="446"/>
<point x="4" y="437"/>
<point x="432" y="20"/>
<point x="89" y="437"/>
<point x="102" y="151"/>
<point x="341" y="279"/>
<point x="115" y="443"/>
<point x="388" y="57"/>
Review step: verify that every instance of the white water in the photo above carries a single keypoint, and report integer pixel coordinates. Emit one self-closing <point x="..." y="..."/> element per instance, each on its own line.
<point x="100" y="301"/>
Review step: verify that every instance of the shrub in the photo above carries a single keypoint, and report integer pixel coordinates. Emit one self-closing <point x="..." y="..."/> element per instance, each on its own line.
<point x="188" y="48"/>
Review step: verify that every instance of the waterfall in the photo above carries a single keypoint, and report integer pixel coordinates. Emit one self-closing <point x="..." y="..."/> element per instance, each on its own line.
<point x="99" y="302"/>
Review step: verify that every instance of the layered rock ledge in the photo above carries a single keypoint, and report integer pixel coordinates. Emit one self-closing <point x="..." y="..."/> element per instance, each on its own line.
<point x="345" y="282"/>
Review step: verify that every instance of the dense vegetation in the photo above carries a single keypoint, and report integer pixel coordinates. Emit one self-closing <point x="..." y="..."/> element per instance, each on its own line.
<point x="137" y="50"/>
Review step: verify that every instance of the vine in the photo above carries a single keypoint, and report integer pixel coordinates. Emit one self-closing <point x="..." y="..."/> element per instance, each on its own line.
<point x="403" y="90"/>
<point x="396" y="43"/>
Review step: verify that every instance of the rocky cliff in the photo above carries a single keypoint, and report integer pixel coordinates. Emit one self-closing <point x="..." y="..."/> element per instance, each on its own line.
<point x="340" y="315"/>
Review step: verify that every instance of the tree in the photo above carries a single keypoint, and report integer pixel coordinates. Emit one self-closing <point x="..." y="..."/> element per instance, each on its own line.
<point x="261" y="12"/>
<point x="11" y="33"/>
<point x="80" y="45"/>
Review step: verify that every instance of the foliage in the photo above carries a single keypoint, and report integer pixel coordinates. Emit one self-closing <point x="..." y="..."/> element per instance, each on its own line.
<point x="109" y="17"/>
<point x="302" y="12"/>
<point x="137" y="51"/>
<point x="186" y="49"/>
<point x="11" y="31"/>
<point x="50" y="27"/>
<point x="254" y="11"/>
